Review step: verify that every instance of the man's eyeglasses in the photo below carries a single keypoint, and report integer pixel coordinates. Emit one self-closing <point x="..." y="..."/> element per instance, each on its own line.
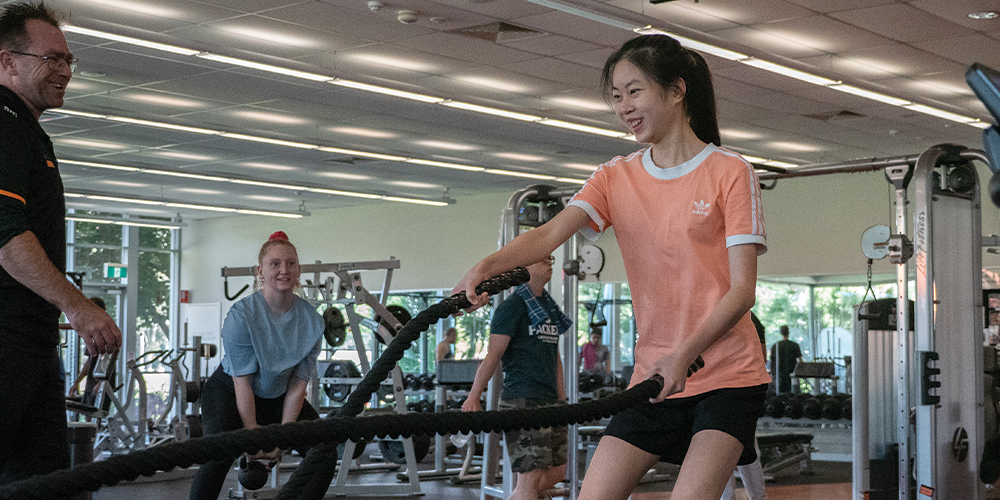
<point x="55" y="62"/>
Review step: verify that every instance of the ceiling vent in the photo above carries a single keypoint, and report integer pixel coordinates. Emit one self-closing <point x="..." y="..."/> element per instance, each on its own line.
<point x="835" y="116"/>
<point x="499" y="32"/>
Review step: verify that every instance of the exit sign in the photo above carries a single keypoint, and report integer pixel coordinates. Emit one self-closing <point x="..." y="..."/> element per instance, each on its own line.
<point x="115" y="270"/>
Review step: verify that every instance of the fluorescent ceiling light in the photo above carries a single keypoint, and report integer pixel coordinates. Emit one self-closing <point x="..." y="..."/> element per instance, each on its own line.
<point x="170" y="126"/>
<point x="99" y="165"/>
<point x="75" y="113"/>
<point x="493" y="83"/>
<point x="491" y="111"/>
<point x="694" y="44"/>
<point x="143" y="224"/>
<point x="456" y="166"/>
<point x="352" y="194"/>
<point x="386" y="91"/>
<point x="249" y="182"/>
<point x="125" y="222"/>
<point x="127" y="39"/>
<point x="185" y="174"/>
<point x="572" y="181"/>
<point x="582" y="128"/>
<point x="271" y="36"/>
<point x="981" y="124"/>
<point x="521" y="174"/>
<point x="166" y="100"/>
<point x="366" y="154"/>
<point x="447" y="145"/>
<point x="520" y="157"/>
<point x="188" y="205"/>
<point x="199" y="207"/>
<point x="264" y="67"/>
<point x="268" y="184"/>
<point x="416" y="201"/>
<point x="122" y="200"/>
<point x="86" y="219"/>
<point x="270" y="117"/>
<point x="276" y="142"/>
<point x="363" y="132"/>
<point x="789" y="72"/>
<point x="927" y="110"/>
<point x="588" y="104"/>
<point x="269" y="214"/>
<point x="895" y="101"/>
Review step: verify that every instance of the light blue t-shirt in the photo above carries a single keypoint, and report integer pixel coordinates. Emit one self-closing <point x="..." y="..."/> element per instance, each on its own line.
<point x="272" y="348"/>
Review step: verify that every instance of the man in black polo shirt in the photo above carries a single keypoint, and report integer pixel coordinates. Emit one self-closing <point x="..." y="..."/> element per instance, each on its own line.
<point x="35" y="67"/>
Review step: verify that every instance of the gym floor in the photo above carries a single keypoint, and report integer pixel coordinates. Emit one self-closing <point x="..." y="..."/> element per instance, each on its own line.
<point x="832" y="480"/>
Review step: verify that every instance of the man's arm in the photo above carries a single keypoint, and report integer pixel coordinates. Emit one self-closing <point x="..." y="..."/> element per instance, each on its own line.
<point x="498" y="345"/>
<point x="25" y="260"/>
<point x="560" y="377"/>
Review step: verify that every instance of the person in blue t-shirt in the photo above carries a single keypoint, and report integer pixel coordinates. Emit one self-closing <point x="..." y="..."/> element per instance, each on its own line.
<point x="524" y="338"/>
<point x="272" y="340"/>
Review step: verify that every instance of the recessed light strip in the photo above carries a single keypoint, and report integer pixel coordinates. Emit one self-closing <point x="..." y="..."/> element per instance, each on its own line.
<point x="140" y="201"/>
<point x="249" y="182"/>
<point x="125" y="222"/>
<point x="813" y="79"/>
<point x="339" y="81"/>
<point x="300" y="145"/>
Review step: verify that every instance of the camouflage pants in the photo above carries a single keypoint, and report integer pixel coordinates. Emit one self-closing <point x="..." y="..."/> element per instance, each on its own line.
<point x="532" y="449"/>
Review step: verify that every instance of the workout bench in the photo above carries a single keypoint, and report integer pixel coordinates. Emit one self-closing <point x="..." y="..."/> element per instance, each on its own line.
<point x="779" y="451"/>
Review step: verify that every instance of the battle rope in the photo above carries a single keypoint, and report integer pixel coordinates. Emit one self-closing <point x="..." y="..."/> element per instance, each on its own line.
<point x="312" y="478"/>
<point x="228" y="445"/>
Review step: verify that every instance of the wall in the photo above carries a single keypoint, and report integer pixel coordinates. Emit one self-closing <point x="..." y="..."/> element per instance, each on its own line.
<point x="814" y="228"/>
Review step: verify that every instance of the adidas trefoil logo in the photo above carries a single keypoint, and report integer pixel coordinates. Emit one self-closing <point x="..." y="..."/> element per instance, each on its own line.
<point x="701" y="208"/>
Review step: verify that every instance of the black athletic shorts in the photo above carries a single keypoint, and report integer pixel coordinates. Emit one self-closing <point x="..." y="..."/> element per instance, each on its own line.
<point x="665" y="429"/>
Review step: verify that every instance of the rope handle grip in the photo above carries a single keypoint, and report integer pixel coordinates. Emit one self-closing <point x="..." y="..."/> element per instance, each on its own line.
<point x="654" y="384"/>
<point x="492" y="286"/>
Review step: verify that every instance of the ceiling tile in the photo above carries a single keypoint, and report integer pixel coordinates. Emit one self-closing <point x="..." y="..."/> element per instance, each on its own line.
<point x="900" y="21"/>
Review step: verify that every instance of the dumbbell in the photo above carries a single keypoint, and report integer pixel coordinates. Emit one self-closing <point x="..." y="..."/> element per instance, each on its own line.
<point x="812" y="409"/>
<point x="429" y="382"/>
<point x="253" y="474"/>
<point x="775" y="407"/>
<point x="846" y="409"/>
<point x="793" y="408"/>
<point x="832" y="409"/>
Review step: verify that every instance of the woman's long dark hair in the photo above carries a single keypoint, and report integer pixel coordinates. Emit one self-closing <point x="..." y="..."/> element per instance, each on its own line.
<point x="664" y="60"/>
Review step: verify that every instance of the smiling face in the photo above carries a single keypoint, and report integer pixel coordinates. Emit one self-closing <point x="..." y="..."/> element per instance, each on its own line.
<point x="279" y="269"/>
<point x="647" y="109"/>
<point x="39" y="83"/>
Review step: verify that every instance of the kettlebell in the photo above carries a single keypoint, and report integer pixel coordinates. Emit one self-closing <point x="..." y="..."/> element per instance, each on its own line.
<point x="253" y="473"/>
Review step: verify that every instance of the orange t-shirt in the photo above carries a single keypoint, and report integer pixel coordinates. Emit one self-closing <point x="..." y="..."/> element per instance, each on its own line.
<point x="674" y="227"/>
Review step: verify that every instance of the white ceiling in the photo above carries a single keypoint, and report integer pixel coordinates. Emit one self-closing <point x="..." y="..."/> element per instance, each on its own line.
<point x="915" y="50"/>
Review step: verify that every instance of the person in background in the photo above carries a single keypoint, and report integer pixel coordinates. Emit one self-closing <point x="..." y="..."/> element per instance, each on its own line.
<point x="35" y="68"/>
<point x="272" y="339"/>
<point x="595" y="359"/>
<point x="752" y="475"/>
<point x="444" y="347"/>
<point x="785" y="354"/>
<point x="524" y="337"/>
